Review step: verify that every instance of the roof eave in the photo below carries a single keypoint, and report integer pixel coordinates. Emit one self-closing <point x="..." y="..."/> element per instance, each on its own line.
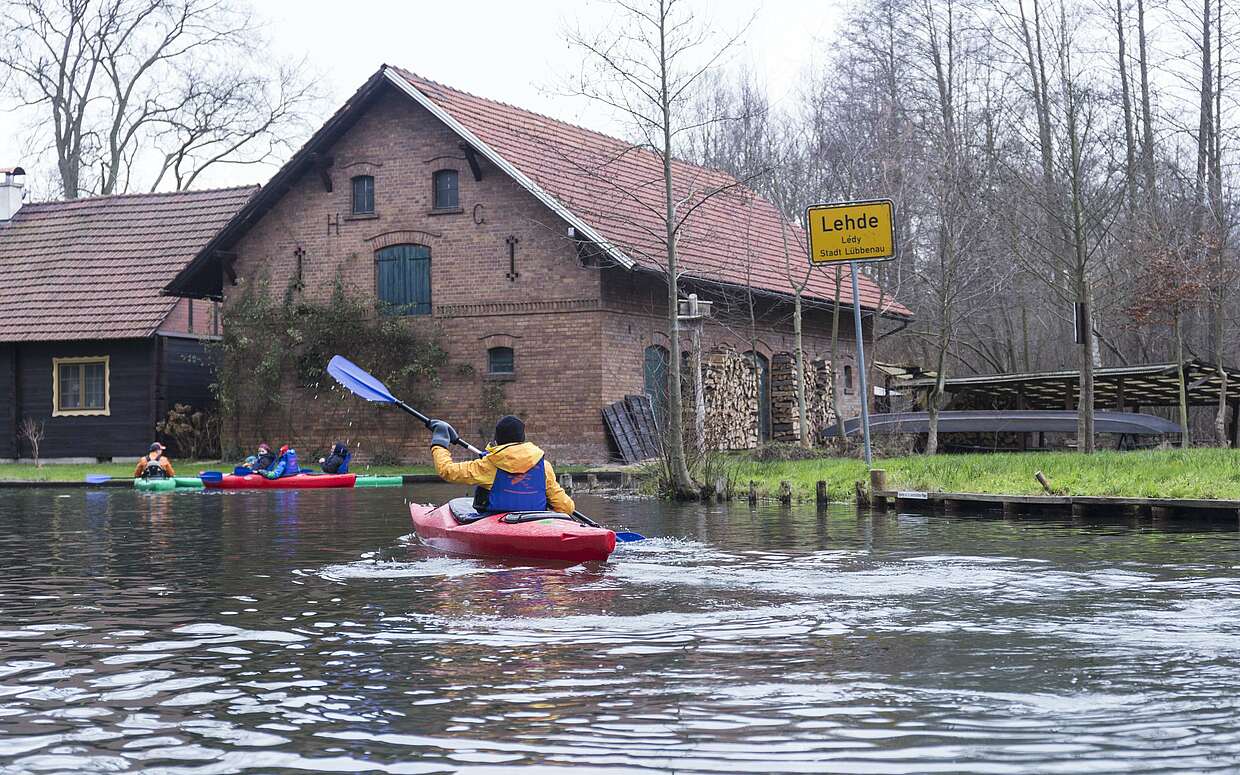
<point x="815" y="301"/>
<point x="266" y="195"/>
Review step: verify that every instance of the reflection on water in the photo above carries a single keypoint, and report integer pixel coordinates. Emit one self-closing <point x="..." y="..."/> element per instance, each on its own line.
<point x="308" y="631"/>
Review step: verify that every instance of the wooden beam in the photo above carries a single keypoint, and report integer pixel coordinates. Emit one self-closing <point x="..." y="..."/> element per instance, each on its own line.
<point x="472" y="158"/>
<point x="227" y="260"/>
<point x="321" y="165"/>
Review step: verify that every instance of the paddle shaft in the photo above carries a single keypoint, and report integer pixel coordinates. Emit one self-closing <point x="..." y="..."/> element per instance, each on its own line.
<point x="427" y="422"/>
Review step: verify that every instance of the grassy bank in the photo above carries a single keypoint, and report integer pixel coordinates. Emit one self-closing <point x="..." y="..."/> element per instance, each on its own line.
<point x="1194" y="473"/>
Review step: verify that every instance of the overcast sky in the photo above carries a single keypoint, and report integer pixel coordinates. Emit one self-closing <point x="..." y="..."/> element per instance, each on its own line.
<point x="503" y="49"/>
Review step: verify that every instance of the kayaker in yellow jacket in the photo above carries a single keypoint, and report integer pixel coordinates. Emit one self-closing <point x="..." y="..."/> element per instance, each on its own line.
<point x="513" y="472"/>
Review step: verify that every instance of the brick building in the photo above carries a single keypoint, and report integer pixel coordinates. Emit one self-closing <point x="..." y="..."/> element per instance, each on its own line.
<point x="531" y="244"/>
<point x="90" y="350"/>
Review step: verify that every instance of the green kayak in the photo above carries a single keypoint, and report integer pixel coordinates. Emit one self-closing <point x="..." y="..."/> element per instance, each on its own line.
<point x="379" y="481"/>
<point x="165" y="485"/>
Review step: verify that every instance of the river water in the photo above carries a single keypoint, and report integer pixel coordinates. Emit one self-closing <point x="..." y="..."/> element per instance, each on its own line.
<point x="309" y="632"/>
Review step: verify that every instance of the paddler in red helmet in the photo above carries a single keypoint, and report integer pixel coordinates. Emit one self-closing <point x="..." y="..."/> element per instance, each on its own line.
<point x="512" y="476"/>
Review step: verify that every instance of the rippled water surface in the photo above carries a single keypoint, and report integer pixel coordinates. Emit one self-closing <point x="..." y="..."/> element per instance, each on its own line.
<point x="308" y="631"/>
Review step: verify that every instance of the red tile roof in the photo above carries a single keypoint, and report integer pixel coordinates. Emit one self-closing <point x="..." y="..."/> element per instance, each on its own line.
<point x="617" y="190"/>
<point x="94" y="268"/>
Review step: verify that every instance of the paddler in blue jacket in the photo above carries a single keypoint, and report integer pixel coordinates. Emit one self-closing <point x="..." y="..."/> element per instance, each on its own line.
<point x="286" y="465"/>
<point x="514" y="473"/>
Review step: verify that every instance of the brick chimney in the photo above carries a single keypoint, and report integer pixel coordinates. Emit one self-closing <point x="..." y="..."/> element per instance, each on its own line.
<point x="12" y="186"/>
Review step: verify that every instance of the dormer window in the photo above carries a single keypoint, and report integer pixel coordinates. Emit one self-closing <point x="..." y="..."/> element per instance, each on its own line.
<point x="447" y="195"/>
<point x="363" y="195"/>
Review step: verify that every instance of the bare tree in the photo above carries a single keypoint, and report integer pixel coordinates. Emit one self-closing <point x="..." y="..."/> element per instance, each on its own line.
<point x="32" y="431"/>
<point x="647" y="66"/>
<point x="131" y="90"/>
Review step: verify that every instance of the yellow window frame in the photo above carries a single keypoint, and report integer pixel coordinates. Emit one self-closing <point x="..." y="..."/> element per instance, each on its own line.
<point x="107" y="386"/>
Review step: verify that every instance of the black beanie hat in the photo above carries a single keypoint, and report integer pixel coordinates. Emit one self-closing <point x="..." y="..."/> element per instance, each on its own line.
<point x="509" y="430"/>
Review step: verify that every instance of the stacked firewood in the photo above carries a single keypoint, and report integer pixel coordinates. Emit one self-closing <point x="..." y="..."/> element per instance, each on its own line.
<point x="785" y="414"/>
<point x="731" y="397"/>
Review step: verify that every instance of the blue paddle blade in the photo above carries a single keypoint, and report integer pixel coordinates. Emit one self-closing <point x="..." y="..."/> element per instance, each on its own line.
<point x="358" y="381"/>
<point x="241" y="471"/>
<point x="628" y="538"/>
<point x="97" y="478"/>
<point x="211" y="476"/>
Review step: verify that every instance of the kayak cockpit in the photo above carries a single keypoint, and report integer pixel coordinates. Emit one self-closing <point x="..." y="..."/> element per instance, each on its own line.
<point x="463" y="511"/>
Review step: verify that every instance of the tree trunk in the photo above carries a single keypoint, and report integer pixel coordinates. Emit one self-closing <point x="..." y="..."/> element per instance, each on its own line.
<point x="699" y="394"/>
<point x="935" y="401"/>
<point x="1130" y="144"/>
<point x="1147" y="122"/>
<point x="683" y="486"/>
<point x="1185" y="437"/>
<point x="1220" y="234"/>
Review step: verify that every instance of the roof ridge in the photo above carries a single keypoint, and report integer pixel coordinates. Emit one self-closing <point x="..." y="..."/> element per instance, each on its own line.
<point x="136" y="194"/>
<point x="409" y="74"/>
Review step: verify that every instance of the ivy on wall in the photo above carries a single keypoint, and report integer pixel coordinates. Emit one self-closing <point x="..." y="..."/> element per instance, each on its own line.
<point x="271" y="380"/>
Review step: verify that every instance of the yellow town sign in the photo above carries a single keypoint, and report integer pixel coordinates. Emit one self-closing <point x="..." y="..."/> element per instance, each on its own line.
<point x="852" y="231"/>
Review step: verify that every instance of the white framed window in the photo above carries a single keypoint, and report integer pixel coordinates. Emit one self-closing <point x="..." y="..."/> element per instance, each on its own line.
<point x="80" y="386"/>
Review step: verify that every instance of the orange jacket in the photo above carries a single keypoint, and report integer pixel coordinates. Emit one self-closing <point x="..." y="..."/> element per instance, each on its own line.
<point x="164" y="463"/>
<point x="513" y="458"/>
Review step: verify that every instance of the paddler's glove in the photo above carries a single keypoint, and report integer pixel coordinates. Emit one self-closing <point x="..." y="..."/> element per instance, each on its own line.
<point x="442" y="434"/>
<point x="271" y="474"/>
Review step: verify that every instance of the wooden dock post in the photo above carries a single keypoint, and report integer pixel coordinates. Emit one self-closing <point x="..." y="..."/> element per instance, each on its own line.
<point x="785" y="492"/>
<point x="820" y="494"/>
<point x="1041" y="477"/>
<point x="591" y="482"/>
<point x="566" y="481"/>
<point x="863" y="496"/>
<point x="878" y="483"/>
<point x="626" y="480"/>
<point x="753" y="492"/>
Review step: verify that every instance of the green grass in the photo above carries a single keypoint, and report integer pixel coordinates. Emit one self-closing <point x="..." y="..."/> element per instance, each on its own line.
<point x="57" y="472"/>
<point x="1194" y="473"/>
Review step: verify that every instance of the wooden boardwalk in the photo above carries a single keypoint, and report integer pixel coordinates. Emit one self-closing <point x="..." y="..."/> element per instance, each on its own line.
<point x="1074" y="505"/>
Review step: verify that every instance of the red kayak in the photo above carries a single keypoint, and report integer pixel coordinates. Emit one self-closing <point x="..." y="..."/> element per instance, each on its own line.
<point x="294" y="482"/>
<point x="538" y="535"/>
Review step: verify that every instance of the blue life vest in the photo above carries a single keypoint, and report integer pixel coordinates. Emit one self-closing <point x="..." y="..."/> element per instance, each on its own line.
<point x="287" y="465"/>
<point x="519" y="492"/>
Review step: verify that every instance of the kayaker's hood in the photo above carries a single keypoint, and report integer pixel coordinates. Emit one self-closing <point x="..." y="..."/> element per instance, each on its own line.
<point x="514" y="458"/>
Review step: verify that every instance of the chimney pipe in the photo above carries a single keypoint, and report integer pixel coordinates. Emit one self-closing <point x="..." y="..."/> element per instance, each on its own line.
<point x="12" y="187"/>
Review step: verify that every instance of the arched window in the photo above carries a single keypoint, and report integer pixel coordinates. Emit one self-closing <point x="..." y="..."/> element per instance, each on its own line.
<point x="848" y="381"/>
<point x="500" y="360"/>
<point x="403" y="279"/>
<point x="363" y="195"/>
<point x="447" y="191"/>
<point x="763" y="367"/>
<point x="655" y="371"/>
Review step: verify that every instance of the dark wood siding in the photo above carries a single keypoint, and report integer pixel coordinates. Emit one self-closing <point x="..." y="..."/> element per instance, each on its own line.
<point x="129" y="427"/>
<point x="185" y="374"/>
<point x="8" y="401"/>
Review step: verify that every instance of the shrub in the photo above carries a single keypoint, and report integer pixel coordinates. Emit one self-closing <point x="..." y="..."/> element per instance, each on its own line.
<point x="195" y="434"/>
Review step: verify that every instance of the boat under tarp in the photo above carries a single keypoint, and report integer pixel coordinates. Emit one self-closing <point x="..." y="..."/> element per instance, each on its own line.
<point x="1011" y="421"/>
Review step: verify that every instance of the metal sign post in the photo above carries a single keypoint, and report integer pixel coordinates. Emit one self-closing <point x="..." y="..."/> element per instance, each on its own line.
<point x="865" y="395"/>
<point x="852" y="233"/>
